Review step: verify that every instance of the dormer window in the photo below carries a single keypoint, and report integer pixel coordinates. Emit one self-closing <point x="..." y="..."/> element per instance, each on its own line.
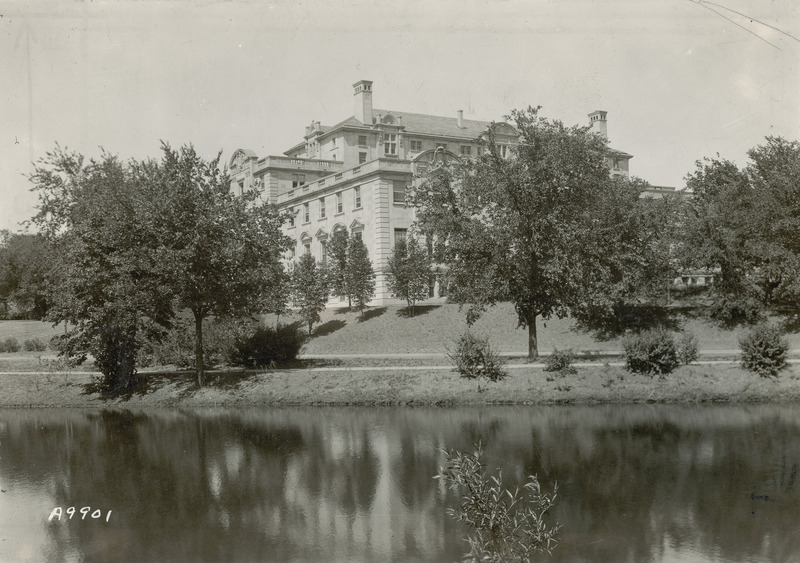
<point x="390" y="143"/>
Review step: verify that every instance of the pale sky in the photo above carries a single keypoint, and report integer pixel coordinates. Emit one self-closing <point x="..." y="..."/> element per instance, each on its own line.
<point x="679" y="82"/>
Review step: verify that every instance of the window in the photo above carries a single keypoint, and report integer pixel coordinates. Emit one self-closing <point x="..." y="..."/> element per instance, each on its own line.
<point x="502" y="150"/>
<point x="322" y="208"/>
<point x="399" y="191"/>
<point x="306" y="215"/>
<point x="400" y="234"/>
<point x="357" y="190"/>
<point x="291" y="216"/>
<point x="441" y="146"/>
<point x="333" y="156"/>
<point x="362" y="157"/>
<point x="416" y="145"/>
<point x="241" y="187"/>
<point x="362" y="140"/>
<point x="358" y="235"/>
<point x="324" y="245"/>
<point x="307" y="247"/>
<point x="390" y="143"/>
<point x="466" y="150"/>
<point x="339" y="206"/>
<point x="298" y="180"/>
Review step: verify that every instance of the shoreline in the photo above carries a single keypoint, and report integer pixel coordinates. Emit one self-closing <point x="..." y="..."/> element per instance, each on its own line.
<point x="404" y="385"/>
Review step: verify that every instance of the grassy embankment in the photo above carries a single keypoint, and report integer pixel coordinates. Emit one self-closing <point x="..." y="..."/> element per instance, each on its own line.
<point x="385" y="380"/>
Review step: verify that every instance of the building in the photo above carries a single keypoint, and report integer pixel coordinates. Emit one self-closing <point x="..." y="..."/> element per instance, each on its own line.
<point x="355" y="174"/>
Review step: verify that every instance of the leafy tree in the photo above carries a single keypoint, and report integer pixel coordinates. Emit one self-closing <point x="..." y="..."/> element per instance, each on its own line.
<point x="220" y="253"/>
<point x="408" y="271"/>
<point x="24" y="261"/>
<point x="336" y="250"/>
<point x="742" y="224"/>
<point x="359" y="276"/>
<point x="641" y="234"/>
<point x="309" y="290"/>
<point x="104" y="280"/>
<point x="720" y="233"/>
<point x="534" y="228"/>
<point x="774" y="173"/>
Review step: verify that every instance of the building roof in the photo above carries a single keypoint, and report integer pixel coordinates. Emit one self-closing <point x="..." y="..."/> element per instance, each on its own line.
<point x="424" y="124"/>
<point x="436" y="125"/>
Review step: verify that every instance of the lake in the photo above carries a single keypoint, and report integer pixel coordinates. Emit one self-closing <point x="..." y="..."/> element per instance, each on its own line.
<point x="635" y="482"/>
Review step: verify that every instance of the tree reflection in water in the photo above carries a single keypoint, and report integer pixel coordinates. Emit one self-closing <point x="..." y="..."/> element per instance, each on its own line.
<point x="635" y="482"/>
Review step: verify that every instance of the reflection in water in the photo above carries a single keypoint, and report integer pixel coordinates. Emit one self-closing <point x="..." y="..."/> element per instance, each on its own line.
<point x="636" y="483"/>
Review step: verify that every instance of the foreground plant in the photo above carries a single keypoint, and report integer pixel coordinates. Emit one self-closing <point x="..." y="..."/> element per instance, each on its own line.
<point x="473" y="357"/>
<point x="506" y="525"/>
<point x="764" y="350"/>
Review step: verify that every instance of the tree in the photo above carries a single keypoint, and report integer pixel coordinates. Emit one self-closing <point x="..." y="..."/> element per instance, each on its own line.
<point x="532" y="227"/>
<point x="359" y="276"/>
<point x="408" y="271"/>
<point x="742" y="224"/>
<point x="24" y="261"/>
<point x="336" y="250"/>
<point x="220" y="252"/>
<point x="719" y="235"/>
<point x="642" y="261"/>
<point x="309" y="290"/>
<point x="103" y="277"/>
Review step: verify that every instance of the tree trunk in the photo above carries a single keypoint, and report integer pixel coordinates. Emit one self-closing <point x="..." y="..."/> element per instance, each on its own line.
<point x="198" y="347"/>
<point x="533" y="339"/>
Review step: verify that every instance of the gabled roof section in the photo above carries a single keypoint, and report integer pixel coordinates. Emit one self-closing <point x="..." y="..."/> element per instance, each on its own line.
<point x="356" y="225"/>
<point x="437" y="125"/>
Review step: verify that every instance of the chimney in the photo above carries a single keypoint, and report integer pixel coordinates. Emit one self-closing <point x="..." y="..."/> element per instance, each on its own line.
<point x="363" y="101"/>
<point x="597" y="119"/>
<point x="461" y="119"/>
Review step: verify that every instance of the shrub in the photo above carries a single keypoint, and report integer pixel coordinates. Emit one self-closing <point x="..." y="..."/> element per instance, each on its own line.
<point x="34" y="345"/>
<point x="651" y="352"/>
<point x="764" y="350"/>
<point x="473" y="357"/>
<point x="508" y="525"/>
<point x="176" y="346"/>
<point x="688" y="348"/>
<point x="10" y="344"/>
<point x="267" y="346"/>
<point x="561" y="361"/>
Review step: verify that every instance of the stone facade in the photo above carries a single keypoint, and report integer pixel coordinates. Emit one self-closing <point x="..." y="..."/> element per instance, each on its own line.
<point x="354" y="174"/>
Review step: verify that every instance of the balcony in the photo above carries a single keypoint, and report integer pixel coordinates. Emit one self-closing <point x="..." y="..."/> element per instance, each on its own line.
<point x="360" y="171"/>
<point x="301" y="164"/>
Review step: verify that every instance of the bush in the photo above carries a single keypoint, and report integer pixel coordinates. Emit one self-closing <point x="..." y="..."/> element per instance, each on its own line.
<point x="176" y="346"/>
<point x="507" y="524"/>
<point x="34" y="345"/>
<point x="267" y="346"/>
<point x="10" y="344"/>
<point x="473" y="357"/>
<point x="561" y="361"/>
<point x="651" y="352"/>
<point x="688" y="348"/>
<point x="764" y="350"/>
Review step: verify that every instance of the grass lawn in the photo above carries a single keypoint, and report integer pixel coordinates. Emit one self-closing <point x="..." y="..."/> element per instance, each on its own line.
<point x="27" y="330"/>
<point x="401" y="386"/>
<point x="390" y="330"/>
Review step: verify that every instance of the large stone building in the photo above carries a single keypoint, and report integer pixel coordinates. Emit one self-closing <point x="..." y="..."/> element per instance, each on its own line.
<point x="355" y="174"/>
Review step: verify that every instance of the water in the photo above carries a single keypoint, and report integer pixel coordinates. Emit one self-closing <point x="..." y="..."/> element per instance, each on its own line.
<point x="636" y="483"/>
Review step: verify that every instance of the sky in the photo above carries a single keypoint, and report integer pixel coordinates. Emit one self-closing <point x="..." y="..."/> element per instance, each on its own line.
<point x="680" y="79"/>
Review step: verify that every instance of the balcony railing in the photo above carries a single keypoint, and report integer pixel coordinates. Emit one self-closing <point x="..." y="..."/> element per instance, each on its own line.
<point x="351" y="174"/>
<point x="298" y="163"/>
